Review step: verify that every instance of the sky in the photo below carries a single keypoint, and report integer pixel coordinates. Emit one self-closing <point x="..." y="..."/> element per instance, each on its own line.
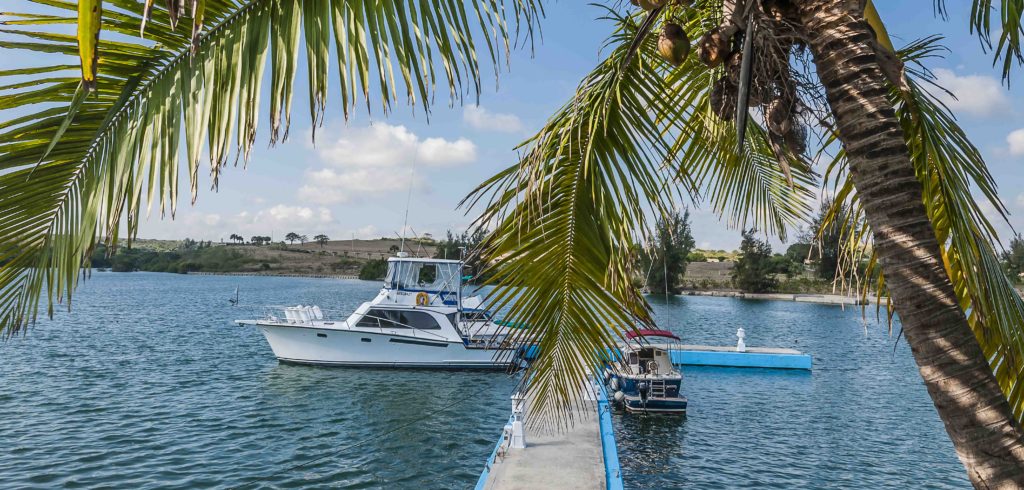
<point x="355" y="180"/>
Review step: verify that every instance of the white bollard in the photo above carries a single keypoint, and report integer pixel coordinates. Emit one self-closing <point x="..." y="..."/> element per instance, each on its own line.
<point x="518" y="439"/>
<point x="740" y="345"/>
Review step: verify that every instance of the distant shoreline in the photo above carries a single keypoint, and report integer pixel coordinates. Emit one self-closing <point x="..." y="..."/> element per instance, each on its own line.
<point x="822" y="299"/>
<point x="260" y="274"/>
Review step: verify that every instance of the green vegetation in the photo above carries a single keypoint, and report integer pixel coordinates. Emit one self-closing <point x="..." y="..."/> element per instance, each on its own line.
<point x="1013" y="259"/>
<point x="464" y="246"/>
<point x="190" y="257"/>
<point x="374" y="270"/>
<point x="754" y="271"/>
<point x="666" y="258"/>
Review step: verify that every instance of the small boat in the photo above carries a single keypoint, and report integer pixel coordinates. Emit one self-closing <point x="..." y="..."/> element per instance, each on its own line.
<point x="418" y="320"/>
<point x="644" y="379"/>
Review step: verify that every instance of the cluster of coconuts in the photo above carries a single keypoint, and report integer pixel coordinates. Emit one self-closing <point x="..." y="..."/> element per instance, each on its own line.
<point x="775" y="95"/>
<point x="714" y="49"/>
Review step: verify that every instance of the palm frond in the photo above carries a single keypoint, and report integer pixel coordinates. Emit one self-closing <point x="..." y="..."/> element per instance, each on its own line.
<point x="949" y="167"/>
<point x="1007" y="26"/>
<point x="567" y="215"/>
<point x="121" y="146"/>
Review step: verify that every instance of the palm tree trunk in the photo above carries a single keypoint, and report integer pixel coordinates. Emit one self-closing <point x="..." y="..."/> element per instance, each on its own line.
<point x="977" y="417"/>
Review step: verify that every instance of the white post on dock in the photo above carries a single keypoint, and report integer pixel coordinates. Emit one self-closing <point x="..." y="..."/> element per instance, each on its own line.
<point x="740" y="345"/>
<point x="518" y="439"/>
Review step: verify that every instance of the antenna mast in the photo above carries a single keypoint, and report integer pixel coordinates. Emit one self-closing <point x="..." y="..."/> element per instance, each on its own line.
<point x="408" y="200"/>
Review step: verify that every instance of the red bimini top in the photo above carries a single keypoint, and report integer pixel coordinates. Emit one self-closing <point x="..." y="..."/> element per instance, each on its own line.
<point x="651" y="333"/>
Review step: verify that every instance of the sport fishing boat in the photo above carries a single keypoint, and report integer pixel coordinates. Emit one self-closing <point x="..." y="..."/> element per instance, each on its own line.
<point x="644" y="379"/>
<point x="419" y="319"/>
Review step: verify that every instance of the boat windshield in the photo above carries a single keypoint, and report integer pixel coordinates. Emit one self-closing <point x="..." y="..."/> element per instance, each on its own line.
<point x="424" y="276"/>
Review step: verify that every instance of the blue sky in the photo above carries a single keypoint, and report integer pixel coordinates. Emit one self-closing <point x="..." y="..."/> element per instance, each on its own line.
<point x="354" y="182"/>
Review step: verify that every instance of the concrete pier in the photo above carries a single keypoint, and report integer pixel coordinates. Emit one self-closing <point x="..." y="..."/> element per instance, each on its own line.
<point x="583" y="456"/>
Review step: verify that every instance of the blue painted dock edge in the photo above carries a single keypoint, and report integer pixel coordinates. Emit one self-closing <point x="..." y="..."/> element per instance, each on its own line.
<point x="482" y="481"/>
<point x="741" y="359"/>
<point x="612" y="470"/>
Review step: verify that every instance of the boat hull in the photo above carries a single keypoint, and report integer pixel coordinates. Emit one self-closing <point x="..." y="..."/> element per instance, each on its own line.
<point x="670" y="399"/>
<point x="354" y="348"/>
<point x="654" y="405"/>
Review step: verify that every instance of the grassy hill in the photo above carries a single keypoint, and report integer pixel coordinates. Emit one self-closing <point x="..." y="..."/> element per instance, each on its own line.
<point x="337" y="258"/>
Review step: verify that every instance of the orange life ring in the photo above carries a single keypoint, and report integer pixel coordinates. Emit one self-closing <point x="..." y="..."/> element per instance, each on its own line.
<point x="422" y="299"/>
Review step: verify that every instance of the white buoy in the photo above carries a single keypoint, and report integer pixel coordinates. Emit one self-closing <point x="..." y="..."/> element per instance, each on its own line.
<point x="619" y="396"/>
<point x="740" y="345"/>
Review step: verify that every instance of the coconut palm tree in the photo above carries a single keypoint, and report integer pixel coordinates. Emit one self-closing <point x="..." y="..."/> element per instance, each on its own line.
<point x="653" y="122"/>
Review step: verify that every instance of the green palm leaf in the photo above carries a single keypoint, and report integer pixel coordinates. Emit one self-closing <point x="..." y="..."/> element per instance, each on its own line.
<point x="567" y="216"/>
<point x="949" y="166"/>
<point x="118" y="156"/>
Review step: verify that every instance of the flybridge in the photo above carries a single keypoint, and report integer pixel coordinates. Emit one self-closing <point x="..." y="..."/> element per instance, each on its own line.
<point x="425" y="282"/>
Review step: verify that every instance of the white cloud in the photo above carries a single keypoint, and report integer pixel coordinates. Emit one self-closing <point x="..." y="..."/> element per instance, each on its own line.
<point x="1020" y="200"/>
<point x="377" y="162"/>
<point x="292" y="214"/>
<point x="479" y="118"/>
<point x="386" y="145"/>
<point x="1016" y="141"/>
<point x="328" y="186"/>
<point x="978" y="95"/>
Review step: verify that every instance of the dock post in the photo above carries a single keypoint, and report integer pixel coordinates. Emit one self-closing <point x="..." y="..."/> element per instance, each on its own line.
<point x="518" y="439"/>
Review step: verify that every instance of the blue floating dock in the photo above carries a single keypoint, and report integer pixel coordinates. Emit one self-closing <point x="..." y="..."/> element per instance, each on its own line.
<point x="710" y="355"/>
<point x="754" y="357"/>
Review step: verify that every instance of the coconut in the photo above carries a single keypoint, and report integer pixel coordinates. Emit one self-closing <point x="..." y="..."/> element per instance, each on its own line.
<point x="779" y="9"/>
<point x="713" y="48"/>
<point x="651" y="4"/>
<point x="796" y="139"/>
<point x="673" y="44"/>
<point x="778" y="116"/>
<point x="723" y="99"/>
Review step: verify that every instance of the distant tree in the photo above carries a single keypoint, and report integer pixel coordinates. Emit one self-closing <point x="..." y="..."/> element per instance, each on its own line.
<point x="1013" y="258"/>
<point x="394" y="249"/>
<point x="236" y="238"/>
<point x="462" y="247"/>
<point x="374" y="270"/>
<point x="753" y="271"/>
<point x="696" y="257"/>
<point x="292" y="237"/>
<point x="256" y="240"/>
<point x="665" y="259"/>
<point x="783" y="264"/>
<point x="321" y="239"/>
<point x="826" y="236"/>
<point x="303" y="239"/>
<point x="799" y="252"/>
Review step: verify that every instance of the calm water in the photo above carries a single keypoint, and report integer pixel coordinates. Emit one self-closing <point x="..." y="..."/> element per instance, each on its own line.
<point x="148" y="384"/>
<point x="861" y="419"/>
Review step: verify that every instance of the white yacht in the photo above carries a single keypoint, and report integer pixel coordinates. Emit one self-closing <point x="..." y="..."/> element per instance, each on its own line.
<point x="419" y="319"/>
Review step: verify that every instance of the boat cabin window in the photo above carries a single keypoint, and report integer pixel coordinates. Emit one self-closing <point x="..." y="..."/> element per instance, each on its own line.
<point x="377" y="318"/>
<point x="475" y="316"/>
<point x="633" y="358"/>
<point x="424" y="276"/>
